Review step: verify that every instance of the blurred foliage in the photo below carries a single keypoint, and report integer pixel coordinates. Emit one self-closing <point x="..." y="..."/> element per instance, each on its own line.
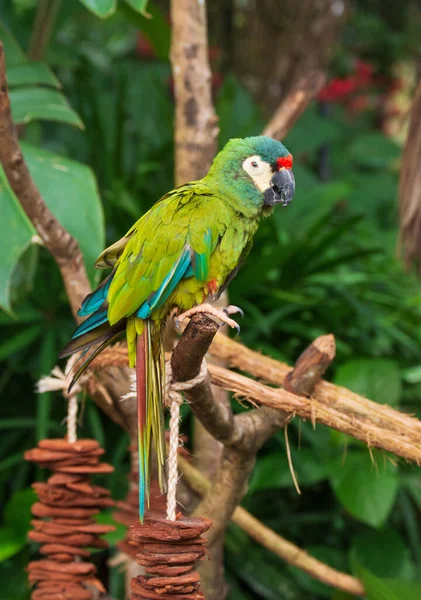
<point x="326" y="264"/>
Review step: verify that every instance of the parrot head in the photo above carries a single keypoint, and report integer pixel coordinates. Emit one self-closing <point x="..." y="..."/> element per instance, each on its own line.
<point x="255" y="172"/>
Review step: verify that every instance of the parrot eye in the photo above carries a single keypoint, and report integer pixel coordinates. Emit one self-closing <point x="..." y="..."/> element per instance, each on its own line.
<point x="254" y="164"/>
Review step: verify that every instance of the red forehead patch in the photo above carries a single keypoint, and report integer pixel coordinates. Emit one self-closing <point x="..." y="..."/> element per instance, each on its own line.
<point x="285" y="162"/>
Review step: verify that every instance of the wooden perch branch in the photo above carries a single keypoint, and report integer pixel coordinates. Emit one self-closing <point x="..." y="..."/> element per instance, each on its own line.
<point x="377" y="425"/>
<point x="56" y="239"/>
<point x="286" y="550"/>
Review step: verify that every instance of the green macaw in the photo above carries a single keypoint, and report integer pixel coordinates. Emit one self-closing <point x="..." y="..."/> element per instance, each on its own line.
<point x="184" y="250"/>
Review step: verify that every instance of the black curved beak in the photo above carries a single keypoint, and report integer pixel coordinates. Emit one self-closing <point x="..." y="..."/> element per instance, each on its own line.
<point x="281" y="190"/>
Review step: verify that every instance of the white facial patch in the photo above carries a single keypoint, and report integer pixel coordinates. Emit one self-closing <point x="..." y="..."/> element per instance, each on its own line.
<point x="259" y="170"/>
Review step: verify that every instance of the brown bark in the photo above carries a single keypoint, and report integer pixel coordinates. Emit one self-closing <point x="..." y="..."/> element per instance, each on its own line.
<point x="410" y="190"/>
<point x="276" y="44"/>
<point x="195" y="119"/>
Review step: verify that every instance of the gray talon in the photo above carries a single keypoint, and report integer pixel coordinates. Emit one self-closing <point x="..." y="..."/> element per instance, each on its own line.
<point x="233" y="310"/>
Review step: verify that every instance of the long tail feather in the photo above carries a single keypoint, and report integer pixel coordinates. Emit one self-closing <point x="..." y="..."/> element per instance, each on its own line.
<point x="142" y="406"/>
<point x="91" y="357"/>
<point x="150" y="375"/>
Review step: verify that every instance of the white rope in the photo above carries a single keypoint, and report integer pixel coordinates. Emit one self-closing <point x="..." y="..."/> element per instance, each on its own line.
<point x="60" y="380"/>
<point x="174" y="399"/>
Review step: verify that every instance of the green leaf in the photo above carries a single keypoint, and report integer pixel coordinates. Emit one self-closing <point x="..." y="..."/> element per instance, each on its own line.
<point x="31" y="73"/>
<point x="101" y="8"/>
<point x="11" y="542"/>
<point x="15" y="237"/>
<point x="139" y="6"/>
<point x="238" y="114"/>
<point x="12" y="50"/>
<point x="366" y="491"/>
<point x="272" y="471"/>
<point x="41" y="103"/>
<point x="388" y="589"/>
<point x="17" y="513"/>
<point x="383" y="553"/>
<point x="413" y="485"/>
<point x="323" y="131"/>
<point x="374" y="150"/>
<point x="376" y="378"/>
<point x="106" y="518"/>
<point x="70" y="192"/>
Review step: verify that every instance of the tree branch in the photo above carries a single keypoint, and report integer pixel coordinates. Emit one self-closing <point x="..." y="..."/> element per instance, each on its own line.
<point x="377" y="425"/>
<point x="295" y="103"/>
<point x="410" y="190"/>
<point x="286" y="550"/>
<point x="195" y="119"/>
<point x="334" y="405"/>
<point x="56" y="239"/>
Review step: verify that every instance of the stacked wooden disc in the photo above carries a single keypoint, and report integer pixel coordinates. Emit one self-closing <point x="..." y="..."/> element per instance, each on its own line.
<point x="127" y="512"/>
<point x="168" y="550"/>
<point x="64" y="523"/>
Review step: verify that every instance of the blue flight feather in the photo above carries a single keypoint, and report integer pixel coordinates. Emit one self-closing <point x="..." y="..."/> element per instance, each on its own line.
<point x="94" y="301"/>
<point x="91" y="322"/>
<point x="162" y="294"/>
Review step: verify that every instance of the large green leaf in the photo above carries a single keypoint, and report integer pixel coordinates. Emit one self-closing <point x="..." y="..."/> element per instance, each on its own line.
<point x="376" y="378"/>
<point x="17" y="519"/>
<point x="41" y="103"/>
<point x="15" y="237"/>
<point x="384" y="553"/>
<point x="69" y="190"/>
<point x="34" y="73"/>
<point x="101" y="8"/>
<point x="13" y="52"/>
<point x="11" y="542"/>
<point x="365" y="490"/>
<point x="388" y="589"/>
<point x="374" y="150"/>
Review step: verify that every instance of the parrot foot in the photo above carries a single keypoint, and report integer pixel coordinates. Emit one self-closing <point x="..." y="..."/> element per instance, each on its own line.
<point x="233" y="310"/>
<point x="212" y="311"/>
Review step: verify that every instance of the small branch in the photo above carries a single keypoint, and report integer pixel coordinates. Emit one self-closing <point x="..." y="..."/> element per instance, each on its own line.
<point x="364" y="427"/>
<point x="195" y="119"/>
<point x="311" y="366"/>
<point x="56" y="239"/>
<point x="294" y="104"/>
<point x="289" y="552"/>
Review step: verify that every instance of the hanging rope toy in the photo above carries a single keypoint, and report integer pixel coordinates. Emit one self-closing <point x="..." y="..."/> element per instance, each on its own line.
<point x="174" y="400"/>
<point x="60" y="380"/>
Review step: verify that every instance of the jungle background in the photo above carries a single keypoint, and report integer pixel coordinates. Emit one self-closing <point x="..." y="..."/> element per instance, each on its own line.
<point x="97" y="132"/>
